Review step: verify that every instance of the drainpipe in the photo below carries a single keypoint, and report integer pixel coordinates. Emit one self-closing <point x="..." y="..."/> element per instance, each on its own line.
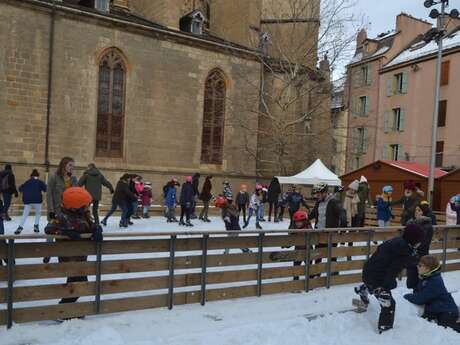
<point x="50" y="87"/>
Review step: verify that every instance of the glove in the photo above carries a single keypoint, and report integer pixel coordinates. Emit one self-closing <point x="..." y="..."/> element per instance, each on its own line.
<point x="52" y="215"/>
<point x="112" y="191"/>
<point x="97" y="234"/>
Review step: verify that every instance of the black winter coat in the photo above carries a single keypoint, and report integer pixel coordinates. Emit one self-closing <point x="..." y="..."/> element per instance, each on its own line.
<point x="387" y="262"/>
<point x="242" y="198"/>
<point x="196" y="184"/>
<point x="187" y="195"/>
<point x="294" y="199"/>
<point x="11" y="182"/>
<point x="230" y="217"/>
<point x="274" y="190"/>
<point x="206" y="190"/>
<point x="123" y="193"/>
<point x="335" y="214"/>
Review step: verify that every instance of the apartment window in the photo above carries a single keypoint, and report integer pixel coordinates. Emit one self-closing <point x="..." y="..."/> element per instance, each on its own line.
<point x="360" y="141"/>
<point x="363" y="106"/>
<point x="445" y="70"/>
<point x="397" y="84"/>
<point x="398" y="120"/>
<point x="396" y="152"/>
<point x="439" y="153"/>
<point x="366" y="75"/>
<point x="442" y="113"/>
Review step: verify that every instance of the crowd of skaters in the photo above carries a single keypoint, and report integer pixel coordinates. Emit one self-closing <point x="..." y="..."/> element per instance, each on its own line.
<point x="69" y="199"/>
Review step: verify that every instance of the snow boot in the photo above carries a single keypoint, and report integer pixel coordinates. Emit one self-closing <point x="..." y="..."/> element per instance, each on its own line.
<point x="207" y="220"/>
<point x="36" y="229"/>
<point x="363" y="293"/>
<point x="18" y="230"/>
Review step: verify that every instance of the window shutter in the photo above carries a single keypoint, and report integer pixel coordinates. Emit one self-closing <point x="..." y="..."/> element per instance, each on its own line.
<point x="445" y="70"/>
<point x="385" y="152"/>
<point x="365" y="140"/>
<point x="367" y="106"/>
<point x="405" y="77"/>
<point x="386" y="121"/>
<point x="390" y="86"/>
<point x="402" y="120"/>
<point x="355" y="140"/>
<point x="369" y="74"/>
<point x="400" y="153"/>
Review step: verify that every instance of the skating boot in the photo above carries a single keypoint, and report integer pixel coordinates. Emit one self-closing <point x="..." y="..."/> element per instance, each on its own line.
<point x="36" y="229"/>
<point x="363" y="293"/>
<point x="18" y="230"/>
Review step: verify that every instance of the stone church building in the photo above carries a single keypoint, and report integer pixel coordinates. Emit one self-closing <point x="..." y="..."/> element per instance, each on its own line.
<point x="157" y="87"/>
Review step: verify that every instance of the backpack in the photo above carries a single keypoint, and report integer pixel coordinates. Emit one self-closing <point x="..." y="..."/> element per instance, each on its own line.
<point x="5" y="183"/>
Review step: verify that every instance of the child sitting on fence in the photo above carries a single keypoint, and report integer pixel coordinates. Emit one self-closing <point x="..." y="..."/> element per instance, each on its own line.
<point x="431" y="292"/>
<point x="73" y="221"/>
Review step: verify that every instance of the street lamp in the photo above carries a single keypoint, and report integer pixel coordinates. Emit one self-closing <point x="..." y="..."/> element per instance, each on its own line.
<point x="438" y="35"/>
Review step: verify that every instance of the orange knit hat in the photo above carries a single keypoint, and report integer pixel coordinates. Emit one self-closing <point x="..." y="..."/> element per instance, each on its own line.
<point x="76" y="198"/>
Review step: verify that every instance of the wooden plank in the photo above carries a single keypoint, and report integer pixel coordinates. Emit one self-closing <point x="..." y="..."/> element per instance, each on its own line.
<point x="440" y="245"/>
<point x="2" y="317"/>
<point x="60" y="311"/>
<point x="232" y="242"/>
<point x="346" y="279"/>
<point x="453" y="267"/>
<point x="3" y="273"/>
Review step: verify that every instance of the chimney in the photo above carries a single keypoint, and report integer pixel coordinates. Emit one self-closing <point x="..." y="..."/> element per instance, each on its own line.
<point x="362" y="36"/>
<point x="121" y="4"/>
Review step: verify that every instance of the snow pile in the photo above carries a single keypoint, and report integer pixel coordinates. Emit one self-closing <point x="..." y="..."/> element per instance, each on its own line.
<point x="277" y="319"/>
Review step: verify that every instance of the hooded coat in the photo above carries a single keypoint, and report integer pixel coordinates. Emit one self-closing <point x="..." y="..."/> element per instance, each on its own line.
<point x="274" y="190"/>
<point x="93" y="180"/>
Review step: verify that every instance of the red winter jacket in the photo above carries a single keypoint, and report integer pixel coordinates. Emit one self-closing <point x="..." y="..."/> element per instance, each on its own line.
<point x="146" y="196"/>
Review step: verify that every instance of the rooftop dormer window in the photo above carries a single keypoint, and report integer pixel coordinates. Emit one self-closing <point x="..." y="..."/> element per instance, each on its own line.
<point x="100" y="5"/>
<point x="193" y="22"/>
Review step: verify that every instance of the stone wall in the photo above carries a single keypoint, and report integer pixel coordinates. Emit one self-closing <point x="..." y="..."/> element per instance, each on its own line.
<point x="164" y="97"/>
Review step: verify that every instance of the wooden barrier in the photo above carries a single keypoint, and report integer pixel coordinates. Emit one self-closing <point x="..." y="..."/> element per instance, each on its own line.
<point x="144" y="270"/>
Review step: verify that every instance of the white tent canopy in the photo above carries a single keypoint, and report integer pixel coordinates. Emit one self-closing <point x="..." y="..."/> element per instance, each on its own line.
<point x="315" y="173"/>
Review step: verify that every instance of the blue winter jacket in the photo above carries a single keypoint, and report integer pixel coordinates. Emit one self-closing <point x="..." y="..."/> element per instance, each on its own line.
<point x="170" y="199"/>
<point x="432" y="293"/>
<point x="383" y="210"/>
<point x="32" y="191"/>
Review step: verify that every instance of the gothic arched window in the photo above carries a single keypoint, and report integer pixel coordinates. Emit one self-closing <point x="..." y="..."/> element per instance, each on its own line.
<point x="213" y="118"/>
<point x="111" y="105"/>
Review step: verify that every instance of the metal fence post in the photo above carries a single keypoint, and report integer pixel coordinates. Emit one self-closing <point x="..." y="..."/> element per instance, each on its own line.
<point x="260" y="240"/>
<point x="11" y="264"/>
<point x="98" y="276"/>
<point x="370" y="234"/>
<point x="172" y="253"/>
<point x="329" y="258"/>
<point x="307" y="261"/>
<point x="444" y="249"/>
<point x="204" y="246"/>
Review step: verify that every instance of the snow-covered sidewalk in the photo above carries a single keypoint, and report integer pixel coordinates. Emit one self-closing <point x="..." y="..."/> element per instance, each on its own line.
<point x="277" y="319"/>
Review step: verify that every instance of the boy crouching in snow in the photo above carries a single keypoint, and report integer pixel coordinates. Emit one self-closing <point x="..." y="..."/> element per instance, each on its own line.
<point x="383" y="267"/>
<point x="431" y="292"/>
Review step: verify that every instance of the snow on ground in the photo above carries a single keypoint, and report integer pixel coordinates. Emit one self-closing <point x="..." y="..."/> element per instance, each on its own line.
<point x="276" y="319"/>
<point x="149" y="225"/>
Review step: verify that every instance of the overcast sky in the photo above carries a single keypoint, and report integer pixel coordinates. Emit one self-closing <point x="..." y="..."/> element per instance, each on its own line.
<point x="381" y="14"/>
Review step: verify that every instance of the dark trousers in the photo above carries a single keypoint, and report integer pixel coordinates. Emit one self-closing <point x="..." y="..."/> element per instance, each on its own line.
<point x="387" y="314"/>
<point x="272" y="205"/>
<point x="242" y="208"/>
<point x="204" y="211"/>
<point x="96" y="211"/>
<point x="444" y="319"/>
<point x="6" y="202"/>
<point x="187" y="211"/>
<point x="281" y="214"/>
